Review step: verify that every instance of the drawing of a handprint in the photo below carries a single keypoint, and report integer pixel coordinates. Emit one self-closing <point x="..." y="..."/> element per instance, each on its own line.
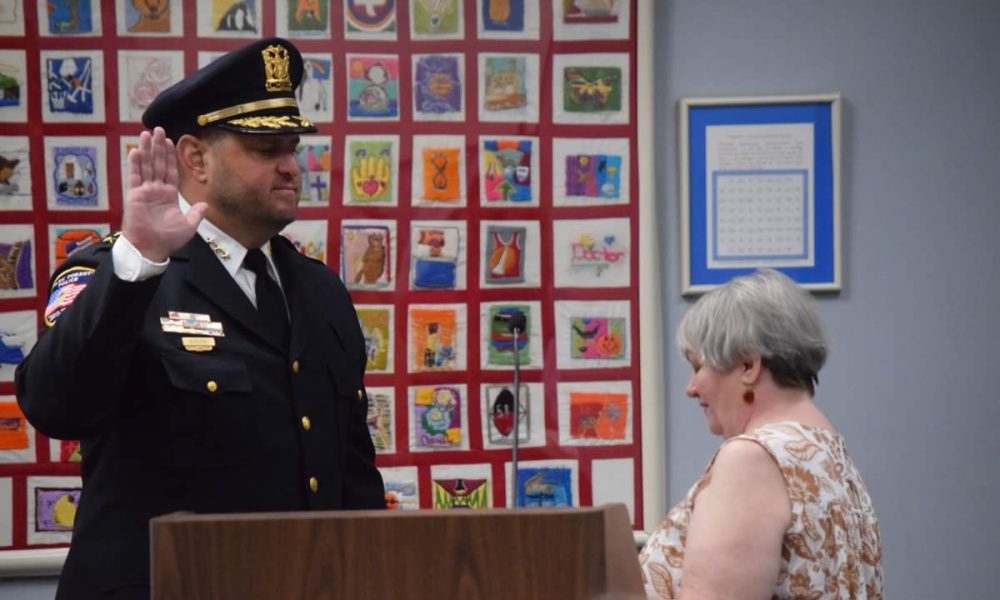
<point x="370" y="175"/>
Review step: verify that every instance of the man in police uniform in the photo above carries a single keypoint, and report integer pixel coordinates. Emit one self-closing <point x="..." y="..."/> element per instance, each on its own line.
<point x="204" y="363"/>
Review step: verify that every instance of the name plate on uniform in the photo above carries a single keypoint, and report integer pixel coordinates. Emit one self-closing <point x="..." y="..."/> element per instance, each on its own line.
<point x="198" y="344"/>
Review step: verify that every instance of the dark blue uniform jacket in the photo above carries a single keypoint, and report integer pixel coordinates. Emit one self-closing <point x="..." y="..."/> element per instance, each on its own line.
<point x="247" y="426"/>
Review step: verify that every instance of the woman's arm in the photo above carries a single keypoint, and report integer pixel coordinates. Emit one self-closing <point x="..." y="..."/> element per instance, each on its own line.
<point x="733" y="547"/>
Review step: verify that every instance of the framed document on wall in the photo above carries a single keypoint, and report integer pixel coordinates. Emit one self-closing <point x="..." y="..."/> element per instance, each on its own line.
<point x="760" y="187"/>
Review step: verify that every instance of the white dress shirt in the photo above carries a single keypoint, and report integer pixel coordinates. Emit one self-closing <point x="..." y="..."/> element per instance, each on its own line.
<point x="131" y="265"/>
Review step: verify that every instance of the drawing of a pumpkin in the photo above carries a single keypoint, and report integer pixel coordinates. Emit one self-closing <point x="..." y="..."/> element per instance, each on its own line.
<point x="609" y="345"/>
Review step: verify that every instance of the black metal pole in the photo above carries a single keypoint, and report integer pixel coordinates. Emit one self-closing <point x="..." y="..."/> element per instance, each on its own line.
<point x="517" y="408"/>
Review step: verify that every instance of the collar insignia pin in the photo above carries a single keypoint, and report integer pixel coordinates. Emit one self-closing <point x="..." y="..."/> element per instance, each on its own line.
<point x="214" y="245"/>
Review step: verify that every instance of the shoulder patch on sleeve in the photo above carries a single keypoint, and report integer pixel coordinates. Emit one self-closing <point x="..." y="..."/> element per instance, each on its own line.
<point x="65" y="288"/>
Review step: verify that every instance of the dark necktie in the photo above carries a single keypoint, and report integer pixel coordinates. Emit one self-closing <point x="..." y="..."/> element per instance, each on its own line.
<point x="270" y="300"/>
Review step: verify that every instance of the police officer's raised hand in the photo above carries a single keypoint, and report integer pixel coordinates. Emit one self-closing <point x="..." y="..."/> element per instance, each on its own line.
<point x="153" y="221"/>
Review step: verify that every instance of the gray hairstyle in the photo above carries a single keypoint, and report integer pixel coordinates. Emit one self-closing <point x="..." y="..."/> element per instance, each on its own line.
<point x="764" y="314"/>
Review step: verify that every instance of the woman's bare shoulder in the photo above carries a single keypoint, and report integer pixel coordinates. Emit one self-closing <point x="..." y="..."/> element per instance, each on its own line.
<point x="746" y="466"/>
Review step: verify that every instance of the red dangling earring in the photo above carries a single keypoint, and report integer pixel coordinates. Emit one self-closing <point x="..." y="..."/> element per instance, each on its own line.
<point x="748" y="396"/>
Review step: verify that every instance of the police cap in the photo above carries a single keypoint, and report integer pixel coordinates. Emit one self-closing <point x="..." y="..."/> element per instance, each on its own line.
<point x="249" y="90"/>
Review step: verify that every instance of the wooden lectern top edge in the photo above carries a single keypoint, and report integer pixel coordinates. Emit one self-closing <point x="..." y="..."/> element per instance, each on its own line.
<point x="399" y="514"/>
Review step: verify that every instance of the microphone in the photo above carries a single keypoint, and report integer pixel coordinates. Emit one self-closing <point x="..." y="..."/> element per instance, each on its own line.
<point x="514" y="320"/>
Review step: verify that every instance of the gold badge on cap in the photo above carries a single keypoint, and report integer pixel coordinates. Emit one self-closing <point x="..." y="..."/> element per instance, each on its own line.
<point x="276" y="67"/>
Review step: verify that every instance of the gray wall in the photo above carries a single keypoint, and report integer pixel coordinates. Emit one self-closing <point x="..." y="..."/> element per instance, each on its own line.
<point x="910" y="381"/>
<point x="915" y="334"/>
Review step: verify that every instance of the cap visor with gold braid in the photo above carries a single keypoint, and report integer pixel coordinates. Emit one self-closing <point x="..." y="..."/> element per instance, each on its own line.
<point x="249" y="90"/>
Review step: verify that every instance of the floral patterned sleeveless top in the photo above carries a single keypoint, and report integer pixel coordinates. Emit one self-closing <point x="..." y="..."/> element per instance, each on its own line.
<point x="832" y="550"/>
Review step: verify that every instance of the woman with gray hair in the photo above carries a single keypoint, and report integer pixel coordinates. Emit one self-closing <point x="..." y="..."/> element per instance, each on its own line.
<point x="780" y="511"/>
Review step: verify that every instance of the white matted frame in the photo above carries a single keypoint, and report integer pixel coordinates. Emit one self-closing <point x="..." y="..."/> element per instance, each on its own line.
<point x="760" y="187"/>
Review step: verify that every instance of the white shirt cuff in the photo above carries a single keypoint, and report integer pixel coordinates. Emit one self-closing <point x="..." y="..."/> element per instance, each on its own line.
<point x="130" y="265"/>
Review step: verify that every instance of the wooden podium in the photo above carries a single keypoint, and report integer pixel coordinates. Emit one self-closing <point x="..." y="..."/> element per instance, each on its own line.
<point x="510" y="554"/>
